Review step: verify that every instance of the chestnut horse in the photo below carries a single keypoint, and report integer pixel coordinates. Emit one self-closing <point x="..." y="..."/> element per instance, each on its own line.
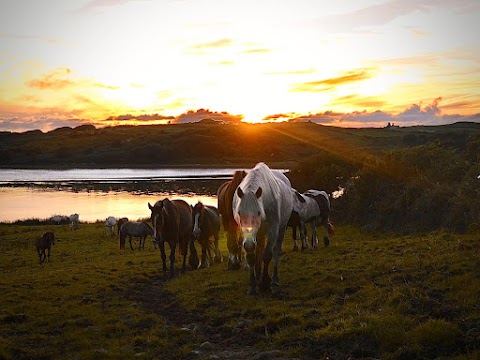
<point x="206" y="226"/>
<point x="234" y="239"/>
<point x="172" y="223"/>
<point x="44" y="243"/>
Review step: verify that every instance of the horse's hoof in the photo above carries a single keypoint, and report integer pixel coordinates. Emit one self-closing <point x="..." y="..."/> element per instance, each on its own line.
<point x="217" y="259"/>
<point x="326" y="241"/>
<point x="295" y="248"/>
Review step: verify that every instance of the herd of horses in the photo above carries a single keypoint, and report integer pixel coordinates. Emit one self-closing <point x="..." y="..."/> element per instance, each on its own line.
<point x="255" y="208"/>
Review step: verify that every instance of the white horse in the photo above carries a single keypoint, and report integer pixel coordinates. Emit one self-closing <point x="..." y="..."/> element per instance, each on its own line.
<point x="109" y="225"/>
<point x="56" y="219"/>
<point x="74" y="220"/>
<point x="262" y="205"/>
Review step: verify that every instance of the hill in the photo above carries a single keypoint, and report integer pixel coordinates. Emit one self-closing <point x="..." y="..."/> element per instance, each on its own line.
<point x="212" y="144"/>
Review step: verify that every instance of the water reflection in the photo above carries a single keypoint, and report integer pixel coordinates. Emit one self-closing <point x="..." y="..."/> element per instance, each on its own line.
<point x="19" y="203"/>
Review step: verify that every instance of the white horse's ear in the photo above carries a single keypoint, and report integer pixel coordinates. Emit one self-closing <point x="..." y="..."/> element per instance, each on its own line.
<point x="258" y="192"/>
<point x="239" y="192"/>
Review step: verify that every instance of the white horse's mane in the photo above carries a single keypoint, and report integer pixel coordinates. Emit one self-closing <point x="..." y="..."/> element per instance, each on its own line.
<point x="261" y="176"/>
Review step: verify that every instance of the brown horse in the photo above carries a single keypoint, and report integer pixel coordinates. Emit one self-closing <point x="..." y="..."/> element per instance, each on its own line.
<point x="206" y="226"/>
<point x="120" y="222"/>
<point x="44" y="243"/>
<point x="172" y="223"/>
<point x="234" y="239"/>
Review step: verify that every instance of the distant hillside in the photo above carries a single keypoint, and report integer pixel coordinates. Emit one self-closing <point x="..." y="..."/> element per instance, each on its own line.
<point x="211" y="144"/>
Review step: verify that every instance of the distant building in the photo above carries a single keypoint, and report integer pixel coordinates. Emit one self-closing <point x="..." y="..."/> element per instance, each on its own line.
<point x="391" y="126"/>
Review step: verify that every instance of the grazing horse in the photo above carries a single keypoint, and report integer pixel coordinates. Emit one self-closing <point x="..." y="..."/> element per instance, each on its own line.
<point x="234" y="240"/>
<point x="44" y="243"/>
<point x="109" y="225"/>
<point x="262" y="205"/>
<point x="305" y="210"/>
<point x="323" y="201"/>
<point x="120" y="222"/>
<point x="172" y="223"/>
<point x="206" y="226"/>
<point x="135" y="229"/>
<point x="56" y="219"/>
<point x="74" y="220"/>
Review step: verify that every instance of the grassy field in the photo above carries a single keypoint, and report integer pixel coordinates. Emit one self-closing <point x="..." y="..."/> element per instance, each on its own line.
<point x="367" y="295"/>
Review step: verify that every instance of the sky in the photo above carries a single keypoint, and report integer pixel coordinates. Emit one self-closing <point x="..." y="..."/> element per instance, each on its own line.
<point x="359" y="63"/>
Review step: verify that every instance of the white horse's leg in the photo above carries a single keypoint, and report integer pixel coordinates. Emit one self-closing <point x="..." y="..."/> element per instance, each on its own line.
<point x="272" y="238"/>
<point x="303" y="235"/>
<point x="277" y="252"/>
<point x="314" y="234"/>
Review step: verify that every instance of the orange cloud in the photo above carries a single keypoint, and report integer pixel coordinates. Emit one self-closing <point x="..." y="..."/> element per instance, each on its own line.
<point x="328" y="84"/>
<point x="54" y="80"/>
<point x="60" y="79"/>
<point x="213" y="44"/>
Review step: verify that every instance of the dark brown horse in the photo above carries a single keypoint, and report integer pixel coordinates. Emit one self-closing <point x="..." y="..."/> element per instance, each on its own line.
<point x="234" y="239"/>
<point x="206" y="226"/>
<point x="44" y="243"/>
<point x="172" y="224"/>
<point x="120" y="222"/>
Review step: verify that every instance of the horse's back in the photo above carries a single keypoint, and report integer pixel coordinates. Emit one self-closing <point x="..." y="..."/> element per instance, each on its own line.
<point x="184" y="214"/>
<point x="214" y="215"/>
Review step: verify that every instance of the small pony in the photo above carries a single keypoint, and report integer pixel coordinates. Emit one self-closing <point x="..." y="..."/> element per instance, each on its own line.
<point x="120" y="222"/>
<point x="44" y="243"/>
<point x="135" y="229"/>
<point x="206" y="223"/>
<point x="109" y="225"/>
<point x="74" y="220"/>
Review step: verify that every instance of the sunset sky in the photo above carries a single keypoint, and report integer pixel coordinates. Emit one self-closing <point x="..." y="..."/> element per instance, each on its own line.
<point x="342" y="63"/>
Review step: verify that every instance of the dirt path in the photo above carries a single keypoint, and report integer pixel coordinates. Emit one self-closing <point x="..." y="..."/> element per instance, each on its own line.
<point x="213" y="340"/>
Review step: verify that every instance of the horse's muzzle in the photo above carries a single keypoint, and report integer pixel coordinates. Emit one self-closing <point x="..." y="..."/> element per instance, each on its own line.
<point x="249" y="245"/>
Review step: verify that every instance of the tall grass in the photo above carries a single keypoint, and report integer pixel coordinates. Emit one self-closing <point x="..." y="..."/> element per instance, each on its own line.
<point x="365" y="295"/>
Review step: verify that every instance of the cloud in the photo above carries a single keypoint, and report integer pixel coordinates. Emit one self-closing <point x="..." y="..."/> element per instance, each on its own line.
<point x="200" y="114"/>
<point x="94" y="5"/>
<point x="415" y="114"/>
<point x="328" y="84"/>
<point x="188" y="117"/>
<point x="143" y="117"/>
<point x="213" y="44"/>
<point x="56" y="80"/>
<point x="59" y="79"/>
<point x="384" y="13"/>
<point x="43" y="123"/>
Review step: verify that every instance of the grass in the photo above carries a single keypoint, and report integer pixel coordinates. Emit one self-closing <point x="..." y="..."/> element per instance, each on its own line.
<point x="366" y="295"/>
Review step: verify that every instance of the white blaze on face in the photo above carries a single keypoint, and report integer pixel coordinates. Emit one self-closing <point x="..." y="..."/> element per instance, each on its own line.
<point x="196" y="226"/>
<point x="154" y="222"/>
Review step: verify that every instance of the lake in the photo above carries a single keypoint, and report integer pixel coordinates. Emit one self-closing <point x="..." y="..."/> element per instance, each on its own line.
<point x="98" y="193"/>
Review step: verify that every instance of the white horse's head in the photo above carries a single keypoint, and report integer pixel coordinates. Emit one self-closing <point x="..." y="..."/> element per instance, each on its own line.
<point x="248" y="214"/>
